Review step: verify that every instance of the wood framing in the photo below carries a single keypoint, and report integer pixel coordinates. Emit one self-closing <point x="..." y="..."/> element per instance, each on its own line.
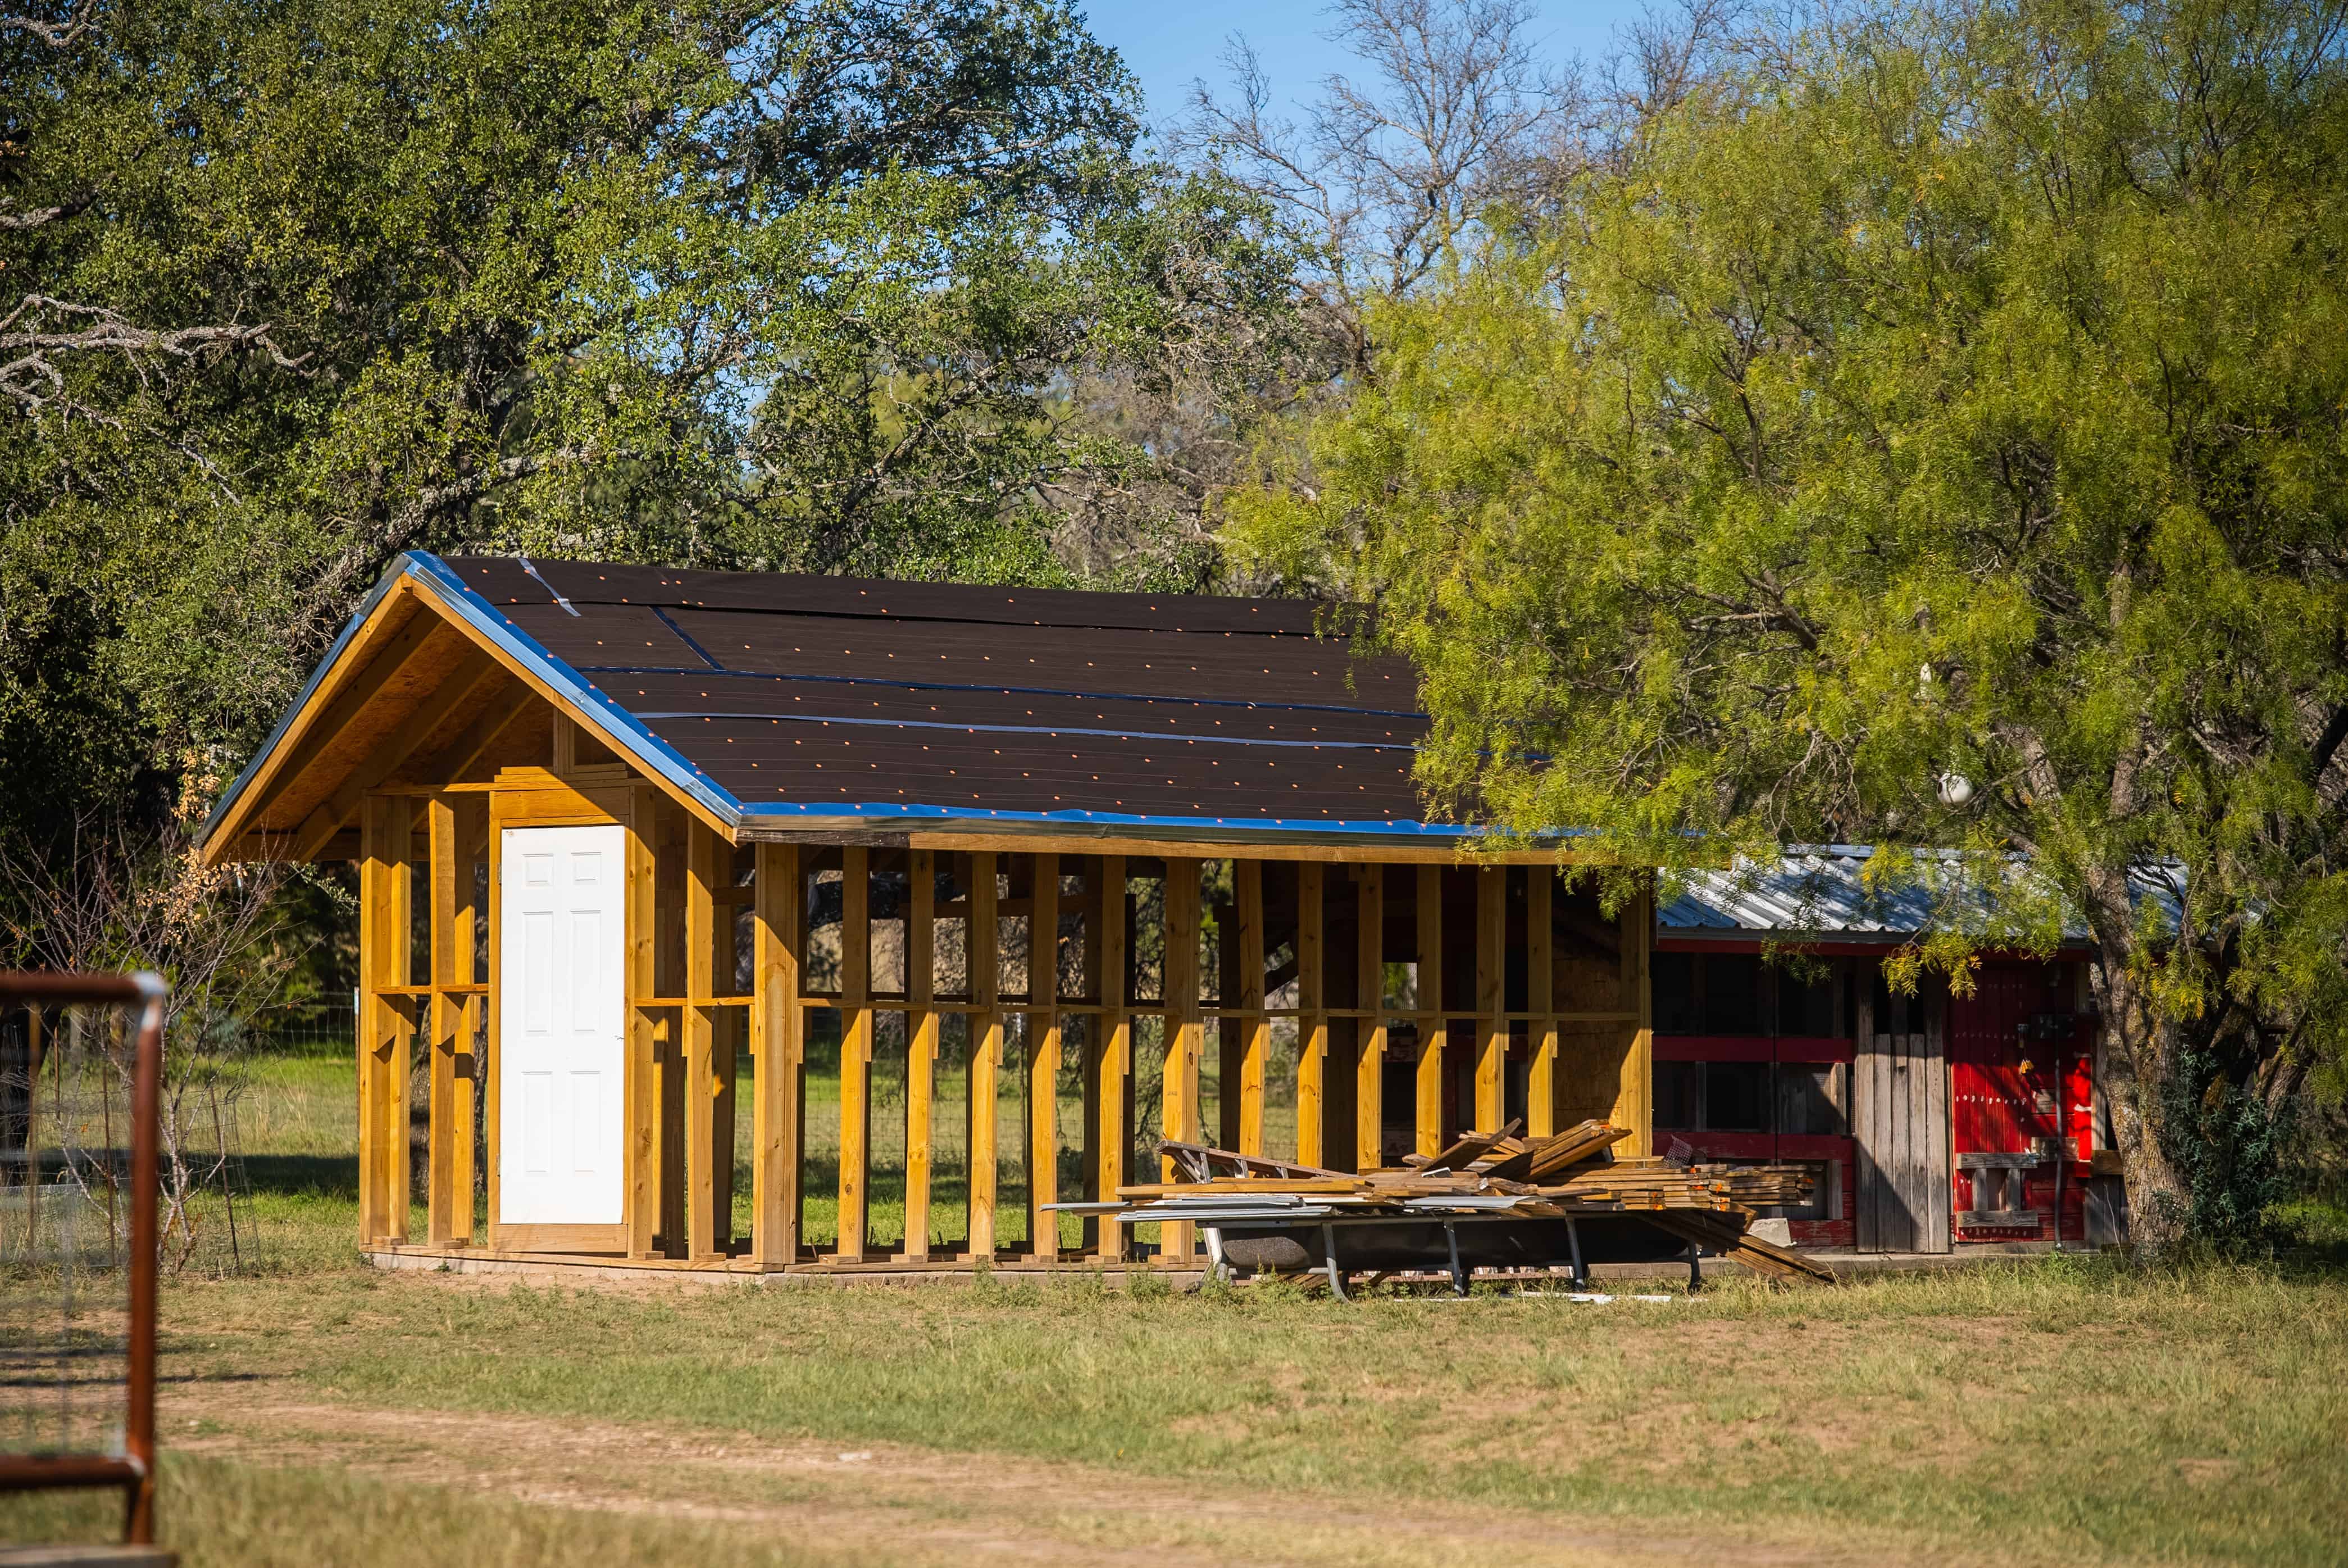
<point x="476" y="698"/>
<point x="985" y="1028"/>
<point x="921" y="1046"/>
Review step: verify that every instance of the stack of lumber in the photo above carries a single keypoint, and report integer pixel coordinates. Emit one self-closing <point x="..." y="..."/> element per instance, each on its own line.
<point x="1483" y="1174"/>
<point x="1725" y="1236"/>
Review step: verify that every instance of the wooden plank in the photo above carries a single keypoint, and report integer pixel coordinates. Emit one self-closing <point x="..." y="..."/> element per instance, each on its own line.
<point x="1432" y="1025"/>
<point x="1043" y="1056"/>
<point x="453" y="760"/>
<point x="1112" y="1047"/>
<point x="708" y="1195"/>
<point x="385" y="757"/>
<point x="486" y="1069"/>
<point x="920" y="1044"/>
<point x="1634" y="1104"/>
<point x="1370" y="1043"/>
<point x="386" y="834"/>
<point x="1492" y="975"/>
<point x="1184" y="1041"/>
<point x="1934" y="1112"/>
<point x="1255" y="1046"/>
<point x="465" y="939"/>
<point x="985" y="1049"/>
<point x="1541" y="997"/>
<point x="1865" y="1176"/>
<point x="441" y="1195"/>
<point x="855" y="1045"/>
<point x="775" y="1025"/>
<point x="1348" y="852"/>
<point x="1312" y="1022"/>
<point x="640" y="1074"/>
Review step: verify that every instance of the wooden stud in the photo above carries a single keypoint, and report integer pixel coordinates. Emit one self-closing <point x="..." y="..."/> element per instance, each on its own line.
<point x="1312" y="1023"/>
<point x="775" y="1025"/>
<point x="708" y="1098"/>
<point x="1432" y="1025"/>
<point x="1634" y="1104"/>
<point x="1231" y="1041"/>
<point x="1043" y="1057"/>
<point x="1492" y="975"/>
<point x="1541" y="998"/>
<point x="1256" y="1057"/>
<point x="669" y="1027"/>
<point x="565" y="759"/>
<point x="1185" y="1042"/>
<point x="386" y="835"/>
<point x="641" y="1073"/>
<point x="1370" y="1052"/>
<point x="922" y="1023"/>
<point x="985" y="1049"/>
<point x="486" y="1067"/>
<point x="1106" y="942"/>
<point x="449" y="1193"/>
<point x="855" y="1045"/>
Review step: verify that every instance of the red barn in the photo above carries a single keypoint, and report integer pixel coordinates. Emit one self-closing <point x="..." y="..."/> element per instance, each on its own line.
<point x="1938" y="1121"/>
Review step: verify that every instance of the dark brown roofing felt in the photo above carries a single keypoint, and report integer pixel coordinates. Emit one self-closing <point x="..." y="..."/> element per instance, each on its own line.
<point x="839" y="696"/>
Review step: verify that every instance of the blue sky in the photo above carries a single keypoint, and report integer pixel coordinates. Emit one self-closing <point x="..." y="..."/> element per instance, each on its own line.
<point x="1168" y="42"/>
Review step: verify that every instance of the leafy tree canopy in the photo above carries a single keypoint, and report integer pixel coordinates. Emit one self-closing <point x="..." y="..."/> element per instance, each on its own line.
<point x="814" y="284"/>
<point x="1930" y="431"/>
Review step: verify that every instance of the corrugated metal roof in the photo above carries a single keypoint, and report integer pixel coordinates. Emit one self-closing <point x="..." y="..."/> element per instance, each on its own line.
<point x="1823" y="890"/>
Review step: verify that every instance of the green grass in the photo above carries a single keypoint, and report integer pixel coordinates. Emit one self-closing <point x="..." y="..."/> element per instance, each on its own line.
<point x="2057" y="1408"/>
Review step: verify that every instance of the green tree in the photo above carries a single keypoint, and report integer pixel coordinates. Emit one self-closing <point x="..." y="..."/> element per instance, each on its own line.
<point x="1931" y="431"/>
<point x="288" y="288"/>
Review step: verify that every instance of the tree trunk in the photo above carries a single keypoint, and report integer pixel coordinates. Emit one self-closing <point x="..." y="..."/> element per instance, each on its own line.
<point x="2140" y="1057"/>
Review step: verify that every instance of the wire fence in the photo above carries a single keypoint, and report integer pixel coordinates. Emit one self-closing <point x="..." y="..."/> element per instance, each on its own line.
<point x="83" y="1200"/>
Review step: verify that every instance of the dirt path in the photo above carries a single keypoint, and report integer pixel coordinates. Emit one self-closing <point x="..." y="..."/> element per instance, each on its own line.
<point x="895" y="1505"/>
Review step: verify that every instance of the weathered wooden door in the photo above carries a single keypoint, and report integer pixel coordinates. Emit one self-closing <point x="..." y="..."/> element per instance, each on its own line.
<point x="560" y="1055"/>
<point x="2022" y="1084"/>
<point x="1899" y="1125"/>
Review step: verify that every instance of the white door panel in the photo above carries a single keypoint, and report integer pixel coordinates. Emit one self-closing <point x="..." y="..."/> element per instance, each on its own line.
<point x="560" y="1055"/>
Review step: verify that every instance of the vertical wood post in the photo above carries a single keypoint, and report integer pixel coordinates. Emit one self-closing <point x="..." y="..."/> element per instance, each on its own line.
<point x="985" y="1050"/>
<point x="1312" y="1023"/>
<point x="1369" y="1064"/>
<point x="1184" y="1038"/>
<point x="1540" y="994"/>
<point x="672" y="827"/>
<point x="1634" y="1104"/>
<point x="386" y="848"/>
<point x="1255" y="1030"/>
<point x="855" y="1043"/>
<point x="448" y="1145"/>
<point x="1491" y="995"/>
<point x="920" y="1043"/>
<point x="1112" y="1046"/>
<point x="1043" y="1056"/>
<point x="641" y="1073"/>
<point x="707" y="1199"/>
<point x="777" y="1023"/>
<point x="1433" y="1027"/>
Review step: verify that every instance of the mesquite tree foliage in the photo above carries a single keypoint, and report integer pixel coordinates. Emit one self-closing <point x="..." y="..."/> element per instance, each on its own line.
<point x="1934" y="431"/>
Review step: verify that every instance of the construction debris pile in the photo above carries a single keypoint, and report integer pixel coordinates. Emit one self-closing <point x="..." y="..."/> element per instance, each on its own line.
<point x="1481" y="1177"/>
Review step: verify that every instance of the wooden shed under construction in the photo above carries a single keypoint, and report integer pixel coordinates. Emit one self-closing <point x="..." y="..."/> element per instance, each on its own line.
<point x="761" y="923"/>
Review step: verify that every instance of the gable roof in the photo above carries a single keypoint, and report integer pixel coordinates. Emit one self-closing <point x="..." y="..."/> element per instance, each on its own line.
<point x="792" y="702"/>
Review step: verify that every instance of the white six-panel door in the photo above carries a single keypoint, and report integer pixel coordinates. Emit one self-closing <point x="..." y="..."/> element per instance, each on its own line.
<point x="560" y="1050"/>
